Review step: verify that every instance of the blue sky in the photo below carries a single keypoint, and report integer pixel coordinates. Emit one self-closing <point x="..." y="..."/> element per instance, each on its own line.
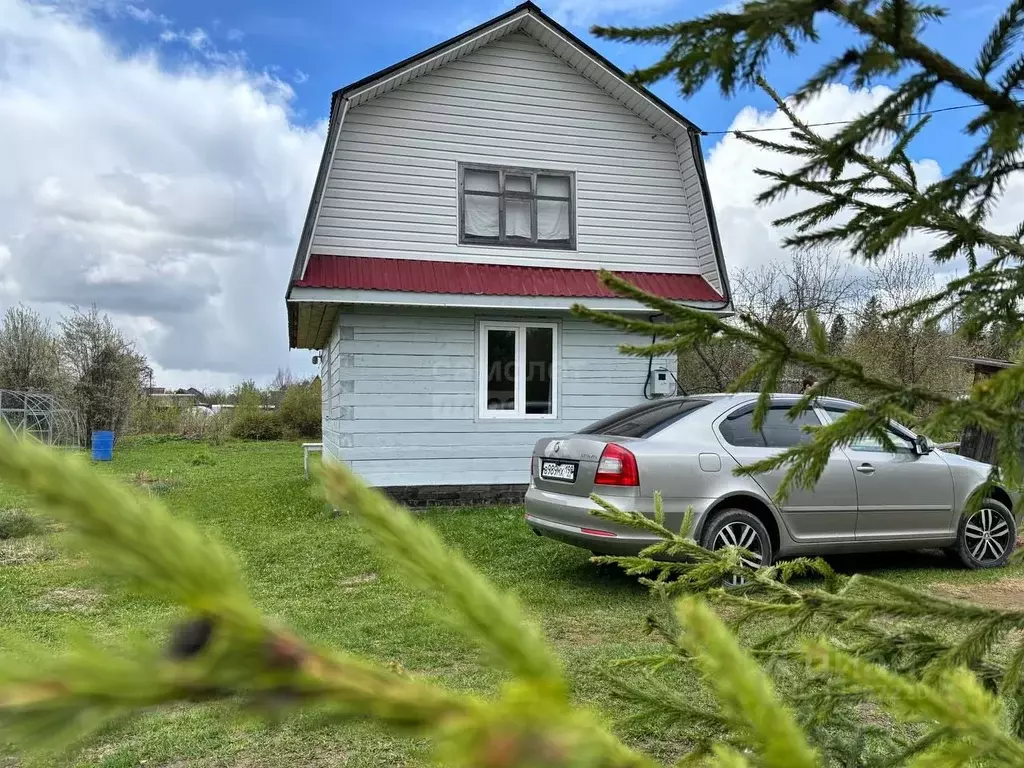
<point x="158" y="155"/>
<point x="318" y="45"/>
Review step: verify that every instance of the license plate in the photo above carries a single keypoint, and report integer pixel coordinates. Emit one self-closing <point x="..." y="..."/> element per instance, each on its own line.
<point x="558" y="470"/>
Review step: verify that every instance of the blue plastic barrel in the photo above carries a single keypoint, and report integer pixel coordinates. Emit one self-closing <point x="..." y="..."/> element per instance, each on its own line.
<point x="102" y="446"/>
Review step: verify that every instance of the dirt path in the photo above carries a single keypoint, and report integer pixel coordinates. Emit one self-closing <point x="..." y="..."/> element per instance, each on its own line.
<point x="1007" y="594"/>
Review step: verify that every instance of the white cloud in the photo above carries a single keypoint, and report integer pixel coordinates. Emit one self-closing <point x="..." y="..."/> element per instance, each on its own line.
<point x="581" y="13"/>
<point x="172" y="200"/>
<point x="748" y="236"/>
<point x="197" y="38"/>
<point x="145" y="15"/>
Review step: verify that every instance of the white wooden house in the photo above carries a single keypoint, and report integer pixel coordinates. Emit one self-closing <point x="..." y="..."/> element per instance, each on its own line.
<point x="464" y="200"/>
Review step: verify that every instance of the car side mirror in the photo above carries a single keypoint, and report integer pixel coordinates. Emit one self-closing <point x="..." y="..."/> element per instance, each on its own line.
<point x="923" y="445"/>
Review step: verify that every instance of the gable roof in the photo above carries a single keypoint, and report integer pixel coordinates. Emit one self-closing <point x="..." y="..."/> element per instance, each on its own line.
<point x="529" y="19"/>
<point x="525" y="18"/>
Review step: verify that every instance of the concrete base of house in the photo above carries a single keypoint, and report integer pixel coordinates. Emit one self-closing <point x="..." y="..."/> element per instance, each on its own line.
<point x="456" y="495"/>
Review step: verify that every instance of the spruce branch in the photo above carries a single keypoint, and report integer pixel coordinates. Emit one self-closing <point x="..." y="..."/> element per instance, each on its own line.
<point x="132" y="536"/>
<point x="866" y="200"/>
<point x="993" y="403"/>
<point x="746" y="695"/>
<point x="418" y="552"/>
<point x="232" y="653"/>
<point x="959" y="705"/>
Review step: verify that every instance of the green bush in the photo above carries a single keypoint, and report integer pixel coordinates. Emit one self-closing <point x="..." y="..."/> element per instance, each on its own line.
<point x="217" y="427"/>
<point x="151" y="419"/>
<point x="300" y="409"/>
<point x="256" y="425"/>
<point x="17" y="524"/>
<point x="203" y="457"/>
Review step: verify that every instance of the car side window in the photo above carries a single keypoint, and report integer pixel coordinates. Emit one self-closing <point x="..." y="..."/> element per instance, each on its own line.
<point x="868" y="443"/>
<point x="777" y="431"/>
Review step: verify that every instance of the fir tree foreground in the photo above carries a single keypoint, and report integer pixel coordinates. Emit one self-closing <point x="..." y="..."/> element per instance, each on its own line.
<point x="866" y="199"/>
<point x="783" y="701"/>
<point x="856" y="672"/>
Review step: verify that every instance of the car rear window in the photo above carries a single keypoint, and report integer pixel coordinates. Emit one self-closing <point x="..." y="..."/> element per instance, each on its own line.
<point x="644" y="420"/>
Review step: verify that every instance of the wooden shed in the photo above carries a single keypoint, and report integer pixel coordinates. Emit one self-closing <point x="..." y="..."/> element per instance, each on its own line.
<point x="974" y="443"/>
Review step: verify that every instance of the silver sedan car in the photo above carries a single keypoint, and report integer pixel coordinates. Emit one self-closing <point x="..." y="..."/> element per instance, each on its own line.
<point x="868" y="499"/>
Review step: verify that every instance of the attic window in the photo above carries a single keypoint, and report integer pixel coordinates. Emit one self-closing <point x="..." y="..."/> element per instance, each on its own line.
<point x="517" y="207"/>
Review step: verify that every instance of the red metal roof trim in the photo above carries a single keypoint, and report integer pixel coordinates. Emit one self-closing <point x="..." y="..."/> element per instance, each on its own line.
<point x="418" y="276"/>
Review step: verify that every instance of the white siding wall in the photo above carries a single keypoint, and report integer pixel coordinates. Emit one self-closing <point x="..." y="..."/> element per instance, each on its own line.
<point x="403" y="403"/>
<point x="699" y="221"/>
<point x="393" y="187"/>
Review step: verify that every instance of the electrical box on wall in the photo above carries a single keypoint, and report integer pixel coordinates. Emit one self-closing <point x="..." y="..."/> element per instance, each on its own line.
<point x="662" y="383"/>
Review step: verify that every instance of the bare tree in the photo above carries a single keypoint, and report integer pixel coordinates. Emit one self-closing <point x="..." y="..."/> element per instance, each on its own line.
<point x="711" y="367"/>
<point x="105" y="372"/>
<point x="28" y="352"/>
<point x="283" y="379"/>
<point x="901" y="279"/>
<point x="821" y="280"/>
<point x="900" y="347"/>
<point x="779" y="294"/>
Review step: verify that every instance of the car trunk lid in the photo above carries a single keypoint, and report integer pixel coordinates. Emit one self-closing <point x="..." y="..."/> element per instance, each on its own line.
<point x="583" y="452"/>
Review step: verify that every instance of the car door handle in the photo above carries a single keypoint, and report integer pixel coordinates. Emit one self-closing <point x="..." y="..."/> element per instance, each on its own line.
<point x="866" y="469"/>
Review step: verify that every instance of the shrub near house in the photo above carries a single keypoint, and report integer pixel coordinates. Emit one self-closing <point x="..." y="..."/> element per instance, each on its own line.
<point x="300" y="409"/>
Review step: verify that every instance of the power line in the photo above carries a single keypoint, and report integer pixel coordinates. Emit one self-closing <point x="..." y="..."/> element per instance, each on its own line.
<point x="845" y="122"/>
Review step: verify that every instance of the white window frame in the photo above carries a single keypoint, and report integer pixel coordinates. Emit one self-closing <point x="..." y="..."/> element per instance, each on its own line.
<point x="520" y="394"/>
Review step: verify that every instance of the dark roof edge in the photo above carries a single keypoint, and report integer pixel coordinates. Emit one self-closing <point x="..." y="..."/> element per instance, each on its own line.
<point x="434" y="49"/>
<point x="319" y="186"/>
<point x="645" y="92"/>
<point x="988" y="362"/>
<point x="534" y="9"/>
<point x="716" y="241"/>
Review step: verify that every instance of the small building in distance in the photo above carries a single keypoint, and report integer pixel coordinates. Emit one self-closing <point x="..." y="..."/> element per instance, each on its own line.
<point x="974" y="443"/>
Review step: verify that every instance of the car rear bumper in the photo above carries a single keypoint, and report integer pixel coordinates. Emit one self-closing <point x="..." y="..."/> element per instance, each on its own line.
<point x="568" y="519"/>
<point x="578" y="536"/>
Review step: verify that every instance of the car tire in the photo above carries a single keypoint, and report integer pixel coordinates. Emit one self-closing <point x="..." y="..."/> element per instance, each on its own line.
<point x="974" y="548"/>
<point x="732" y="526"/>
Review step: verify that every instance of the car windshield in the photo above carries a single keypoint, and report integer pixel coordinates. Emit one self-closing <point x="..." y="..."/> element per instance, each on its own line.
<point x="644" y="420"/>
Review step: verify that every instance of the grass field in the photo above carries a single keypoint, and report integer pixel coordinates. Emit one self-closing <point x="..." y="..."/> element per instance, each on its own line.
<point x="319" y="575"/>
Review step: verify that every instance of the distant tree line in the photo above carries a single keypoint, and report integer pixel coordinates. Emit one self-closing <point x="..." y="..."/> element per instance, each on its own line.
<point x="96" y="372"/>
<point x="857" y="308"/>
<point x="85" y="361"/>
<point x="288" y="408"/>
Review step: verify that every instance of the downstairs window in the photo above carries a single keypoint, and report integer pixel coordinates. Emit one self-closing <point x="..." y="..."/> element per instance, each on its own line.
<point x="518" y="368"/>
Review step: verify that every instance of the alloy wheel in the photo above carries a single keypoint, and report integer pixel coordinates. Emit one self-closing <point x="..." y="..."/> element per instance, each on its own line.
<point x="739" y="534"/>
<point x="987" y="535"/>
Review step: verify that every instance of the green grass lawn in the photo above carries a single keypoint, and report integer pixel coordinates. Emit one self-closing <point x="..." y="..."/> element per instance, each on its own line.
<point x="320" y="576"/>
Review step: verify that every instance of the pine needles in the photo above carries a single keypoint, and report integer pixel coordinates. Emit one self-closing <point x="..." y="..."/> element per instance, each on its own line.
<point x="937" y="665"/>
<point x="867" y="198"/>
<point x="225" y="649"/>
<point x="781" y="700"/>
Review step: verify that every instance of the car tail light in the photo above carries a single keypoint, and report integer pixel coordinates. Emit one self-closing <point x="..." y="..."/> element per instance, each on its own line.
<point x="616" y="467"/>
